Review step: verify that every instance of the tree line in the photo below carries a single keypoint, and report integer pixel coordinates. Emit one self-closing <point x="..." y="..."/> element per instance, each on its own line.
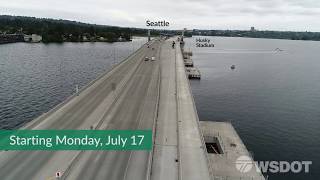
<point x="53" y="30"/>
<point x="315" y="36"/>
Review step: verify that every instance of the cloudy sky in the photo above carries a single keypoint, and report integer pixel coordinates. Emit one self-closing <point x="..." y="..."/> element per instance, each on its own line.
<point x="294" y="15"/>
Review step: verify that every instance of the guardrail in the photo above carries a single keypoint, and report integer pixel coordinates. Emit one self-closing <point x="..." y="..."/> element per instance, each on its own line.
<point x="199" y="129"/>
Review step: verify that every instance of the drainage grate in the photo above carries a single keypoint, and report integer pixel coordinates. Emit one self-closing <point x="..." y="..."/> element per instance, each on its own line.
<point x="213" y="148"/>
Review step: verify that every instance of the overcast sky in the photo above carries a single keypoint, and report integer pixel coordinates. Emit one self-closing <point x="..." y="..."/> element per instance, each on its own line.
<point x="294" y="15"/>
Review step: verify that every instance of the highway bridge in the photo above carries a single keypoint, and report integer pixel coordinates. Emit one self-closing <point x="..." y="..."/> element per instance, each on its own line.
<point x="135" y="94"/>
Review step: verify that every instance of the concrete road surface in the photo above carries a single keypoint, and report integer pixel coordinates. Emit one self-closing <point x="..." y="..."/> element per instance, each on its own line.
<point x="136" y="94"/>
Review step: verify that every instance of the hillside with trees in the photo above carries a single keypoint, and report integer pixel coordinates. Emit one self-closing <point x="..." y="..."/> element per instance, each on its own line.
<point x="53" y="30"/>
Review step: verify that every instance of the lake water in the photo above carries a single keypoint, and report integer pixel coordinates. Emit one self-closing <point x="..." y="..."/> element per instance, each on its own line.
<point x="272" y="97"/>
<point x="36" y="77"/>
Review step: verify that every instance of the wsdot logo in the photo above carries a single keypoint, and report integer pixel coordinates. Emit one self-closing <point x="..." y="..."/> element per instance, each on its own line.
<point x="244" y="164"/>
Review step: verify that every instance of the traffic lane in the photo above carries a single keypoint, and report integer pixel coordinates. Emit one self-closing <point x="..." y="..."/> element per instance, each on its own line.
<point x="120" y="70"/>
<point x="113" y="164"/>
<point x="139" y="165"/>
<point x="164" y="165"/>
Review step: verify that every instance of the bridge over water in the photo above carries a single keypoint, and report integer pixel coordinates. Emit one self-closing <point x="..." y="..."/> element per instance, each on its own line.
<point x="135" y="94"/>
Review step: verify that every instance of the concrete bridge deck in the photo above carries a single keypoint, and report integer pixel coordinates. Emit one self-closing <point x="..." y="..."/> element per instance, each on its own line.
<point x="136" y="94"/>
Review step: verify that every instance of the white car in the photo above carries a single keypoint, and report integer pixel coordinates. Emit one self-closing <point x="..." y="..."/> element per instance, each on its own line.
<point x="146" y="58"/>
<point x="153" y="58"/>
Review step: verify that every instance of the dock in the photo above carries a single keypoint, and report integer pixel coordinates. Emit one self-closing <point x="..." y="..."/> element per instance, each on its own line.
<point x="225" y="150"/>
<point x="11" y="38"/>
<point x="187" y="58"/>
<point x="193" y="73"/>
<point x="188" y="62"/>
<point x="187" y="54"/>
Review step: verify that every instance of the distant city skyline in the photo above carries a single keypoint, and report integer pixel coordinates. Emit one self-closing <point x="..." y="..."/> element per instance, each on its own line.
<point x="284" y="15"/>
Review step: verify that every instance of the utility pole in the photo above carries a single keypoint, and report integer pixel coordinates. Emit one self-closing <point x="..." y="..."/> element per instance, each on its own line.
<point x="182" y="34"/>
<point x="114" y="56"/>
<point x="77" y="88"/>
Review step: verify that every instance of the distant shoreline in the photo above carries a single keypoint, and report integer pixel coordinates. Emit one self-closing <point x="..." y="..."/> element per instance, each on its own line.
<point x="288" y="35"/>
<point x="3" y="43"/>
<point x="53" y="30"/>
<point x="255" y="38"/>
<point x="21" y="41"/>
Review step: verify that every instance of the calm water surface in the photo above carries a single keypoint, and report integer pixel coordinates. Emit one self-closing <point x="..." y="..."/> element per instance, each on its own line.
<point x="272" y="98"/>
<point x="36" y="77"/>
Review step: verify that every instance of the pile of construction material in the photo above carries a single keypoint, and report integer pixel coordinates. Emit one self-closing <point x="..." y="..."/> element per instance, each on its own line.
<point x="192" y="72"/>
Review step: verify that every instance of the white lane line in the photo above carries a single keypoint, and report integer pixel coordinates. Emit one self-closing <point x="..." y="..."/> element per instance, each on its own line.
<point x="139" y="124"/>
